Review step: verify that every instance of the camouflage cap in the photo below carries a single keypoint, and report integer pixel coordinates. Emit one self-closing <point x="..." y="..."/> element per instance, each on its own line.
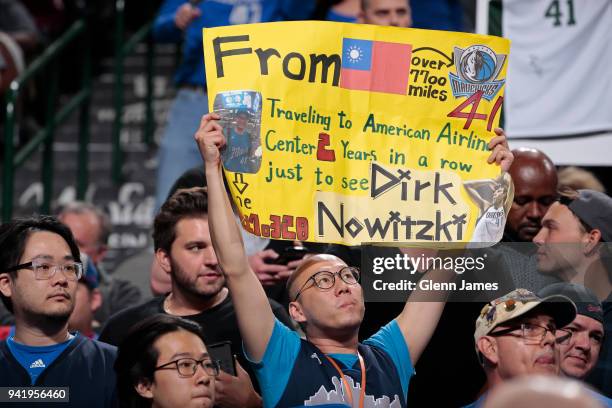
<point x="517" y="303"/>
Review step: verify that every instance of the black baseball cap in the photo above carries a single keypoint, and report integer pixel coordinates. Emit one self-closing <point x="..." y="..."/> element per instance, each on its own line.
<point x="594" y="209"/>
<point x="585" y="300"/>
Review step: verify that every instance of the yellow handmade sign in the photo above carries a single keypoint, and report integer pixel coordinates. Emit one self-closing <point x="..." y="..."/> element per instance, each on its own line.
<point x="350" y="133"/>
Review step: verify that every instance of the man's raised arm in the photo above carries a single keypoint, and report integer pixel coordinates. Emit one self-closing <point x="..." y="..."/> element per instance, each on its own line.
<point x="419" y="318"/>
<point x="255" y="317"/>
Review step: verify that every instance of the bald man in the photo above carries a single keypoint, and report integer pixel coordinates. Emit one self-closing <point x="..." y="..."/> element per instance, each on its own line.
<point x="535" y="189"/>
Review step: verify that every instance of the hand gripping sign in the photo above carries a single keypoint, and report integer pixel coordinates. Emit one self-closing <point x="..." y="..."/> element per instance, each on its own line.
<point x="348" y="133"/>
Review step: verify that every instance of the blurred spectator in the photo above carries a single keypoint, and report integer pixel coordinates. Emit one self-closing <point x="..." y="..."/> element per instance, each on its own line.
<point x="535" y="189"/>
<point x="6" y="317"/>
<point x="180" y="21"/>
<point x="184" y="250"/>
<point x="52" y="16"/>
<point x="438" y="15"/>
<point x="396" y="13"/>
<point x="516" y="336"/>
<point x="11" y="65"/>
<point x="343" y="11"/>
<point x="91" y="228"/>
<point x="136" y="269"/>
<point x="573" y="245"/>
<point x="469" y="15"/>
<point x="542" y="392"/>
<point x="87" y="300"/>
<point x="19" y="40"/>
<point x="577" y="178"/>
<point x="40" y="269"/>
<point x="17" y="23"/>
<point x="4" y="332"/>
<point x="163" y="362"/>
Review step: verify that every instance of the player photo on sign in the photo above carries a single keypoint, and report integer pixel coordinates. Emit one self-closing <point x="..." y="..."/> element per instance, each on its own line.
<point x="494" y="199"/>
<point x="240" y="113"/>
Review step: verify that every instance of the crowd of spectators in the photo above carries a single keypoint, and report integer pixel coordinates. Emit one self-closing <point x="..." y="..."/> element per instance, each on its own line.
<point x="297" y="329"/>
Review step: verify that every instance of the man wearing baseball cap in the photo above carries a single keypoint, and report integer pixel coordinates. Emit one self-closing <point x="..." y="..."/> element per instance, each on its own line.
<point x="517" y="334"/>
<point x="579" y="356"/>
<point x="570" y="240"/>
<point x="574" y="245"/>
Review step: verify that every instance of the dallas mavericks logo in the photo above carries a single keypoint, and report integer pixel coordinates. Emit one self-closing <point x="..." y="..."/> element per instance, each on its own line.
<point x="477" y="68"/>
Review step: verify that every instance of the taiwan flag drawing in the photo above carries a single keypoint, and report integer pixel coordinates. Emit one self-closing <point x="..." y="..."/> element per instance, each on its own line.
<point x="375" y="66"/>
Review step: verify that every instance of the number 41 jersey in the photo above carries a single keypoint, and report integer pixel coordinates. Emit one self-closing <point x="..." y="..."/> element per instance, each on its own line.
<point x="560" y="67"/>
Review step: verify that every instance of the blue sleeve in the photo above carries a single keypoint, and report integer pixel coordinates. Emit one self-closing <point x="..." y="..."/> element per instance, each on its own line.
<point x="164" y="29"/>
<point x="274" y="369"/>
<point x="298" y="9"/>
<point x="391" y="340"/>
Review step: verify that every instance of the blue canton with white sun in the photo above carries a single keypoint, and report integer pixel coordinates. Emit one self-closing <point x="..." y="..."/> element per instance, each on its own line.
<point x="356" y="54"/>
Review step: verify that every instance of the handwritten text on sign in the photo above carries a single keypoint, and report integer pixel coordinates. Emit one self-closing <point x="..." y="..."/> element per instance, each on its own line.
<point x="352" y="133"/>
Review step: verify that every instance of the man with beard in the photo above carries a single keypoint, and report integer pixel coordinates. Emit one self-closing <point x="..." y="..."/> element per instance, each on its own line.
<point x="39" y="271"/>
<point x="183" y="249"/>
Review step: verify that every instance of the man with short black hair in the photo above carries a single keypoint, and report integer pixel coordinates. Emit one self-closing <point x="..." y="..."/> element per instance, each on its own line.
<point x="39" y="271"/>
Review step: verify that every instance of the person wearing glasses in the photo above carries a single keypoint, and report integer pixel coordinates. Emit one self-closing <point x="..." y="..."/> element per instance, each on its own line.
<point x="39" y="272"/>
<point x="330" y="366"/>
<point x="164" y="362"/>
<point x="519" y="334"/>
<point x="183" y="250"/>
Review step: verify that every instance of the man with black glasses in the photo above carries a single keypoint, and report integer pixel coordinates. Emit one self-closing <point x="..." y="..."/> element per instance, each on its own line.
<point x="519" y="333"/>
<point x="330" y="366"/>
<point x="39" y="271"/>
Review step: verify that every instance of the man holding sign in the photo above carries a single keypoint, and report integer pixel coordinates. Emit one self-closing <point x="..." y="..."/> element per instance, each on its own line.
<point x="327" y="301"/>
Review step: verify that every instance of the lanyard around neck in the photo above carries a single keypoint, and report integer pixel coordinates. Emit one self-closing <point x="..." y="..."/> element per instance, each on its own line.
<point x="349" y="391"/>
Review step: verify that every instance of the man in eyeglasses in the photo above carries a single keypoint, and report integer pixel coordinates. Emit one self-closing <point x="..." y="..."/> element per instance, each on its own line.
<point x="183" y="249"/>
<point x="517" y="334"/>
<point x="39" y="272"/>
<point x="329" y="367"/>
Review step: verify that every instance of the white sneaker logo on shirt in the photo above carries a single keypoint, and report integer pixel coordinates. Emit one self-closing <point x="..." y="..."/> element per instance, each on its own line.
<point x="38" y="364"/>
